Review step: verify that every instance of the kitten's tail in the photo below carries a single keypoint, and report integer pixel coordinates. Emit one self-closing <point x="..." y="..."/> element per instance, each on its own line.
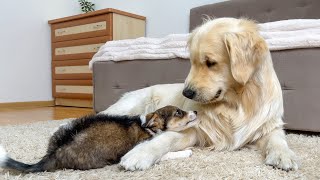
<point x="9" y="163"/>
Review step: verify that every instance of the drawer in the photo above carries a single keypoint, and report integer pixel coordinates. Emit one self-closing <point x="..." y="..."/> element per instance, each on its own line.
<point x="71" y="69"/>
<point x="82" y="28"/>
<point x="78" y="49"/>
<point x="72" y="89"/>
<point x="74" y="102"/>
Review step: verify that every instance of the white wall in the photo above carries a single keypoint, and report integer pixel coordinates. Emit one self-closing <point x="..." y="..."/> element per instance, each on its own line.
<point x="25" y="54"/>
<point x="163" y="16"/>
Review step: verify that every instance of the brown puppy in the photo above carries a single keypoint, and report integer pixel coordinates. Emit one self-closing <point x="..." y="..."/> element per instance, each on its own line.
<point x="98" y="140"/>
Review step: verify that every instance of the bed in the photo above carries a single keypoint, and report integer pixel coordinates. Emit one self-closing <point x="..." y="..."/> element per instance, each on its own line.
<point x="297" y="69"/>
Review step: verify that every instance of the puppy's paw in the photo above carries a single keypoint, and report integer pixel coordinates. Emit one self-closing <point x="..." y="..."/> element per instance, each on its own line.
<point x="139" y="158"/>
<point x="284" y="159"/>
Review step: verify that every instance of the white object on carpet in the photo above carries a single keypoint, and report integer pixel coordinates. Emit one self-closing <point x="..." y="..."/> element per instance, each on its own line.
<point x="279" y="35"/>
<point x="3" y="156"/>
<point x="177" y="155"/>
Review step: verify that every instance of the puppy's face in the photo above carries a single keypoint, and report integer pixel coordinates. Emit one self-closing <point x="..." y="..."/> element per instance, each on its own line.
<point x="223" y="55"/>
<point x="170" y="118"/>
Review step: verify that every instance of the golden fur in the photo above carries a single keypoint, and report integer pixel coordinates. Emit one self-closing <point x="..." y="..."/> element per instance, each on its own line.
<point x="243" y="71"/>
<point x="250" y="107"/>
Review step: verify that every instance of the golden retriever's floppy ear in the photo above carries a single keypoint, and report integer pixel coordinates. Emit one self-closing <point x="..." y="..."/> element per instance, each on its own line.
<point x="192" y="40"/>
<point x="246" y="50"/>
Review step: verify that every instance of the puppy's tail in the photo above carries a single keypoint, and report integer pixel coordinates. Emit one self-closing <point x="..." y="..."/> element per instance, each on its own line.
<point x="9" y="163"/>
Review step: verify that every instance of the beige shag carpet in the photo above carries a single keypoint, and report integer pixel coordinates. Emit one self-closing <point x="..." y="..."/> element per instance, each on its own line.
<point x="28" y="143"/>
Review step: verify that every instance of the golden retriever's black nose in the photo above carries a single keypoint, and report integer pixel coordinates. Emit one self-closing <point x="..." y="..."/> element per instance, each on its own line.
<point x="218" y="94"/>
<point x="195" y="112"/>
<point x="189" y="93"/>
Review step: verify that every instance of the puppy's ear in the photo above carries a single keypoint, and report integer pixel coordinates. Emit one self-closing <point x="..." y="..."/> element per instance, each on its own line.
<point x="151" y="119"/>
<point x="246" y="50"/>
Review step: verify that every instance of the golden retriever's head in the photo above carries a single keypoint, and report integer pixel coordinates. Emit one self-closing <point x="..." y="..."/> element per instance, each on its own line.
<point x="224" y="54"/>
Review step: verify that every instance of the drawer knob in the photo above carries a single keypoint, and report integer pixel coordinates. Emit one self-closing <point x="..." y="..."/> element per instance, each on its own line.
<point x="62" y="70"/>
<point x="61" y="51"/>
<point x="98" y="26"/>
<point x="96" y="48"/>
<point x="61" y="32"/>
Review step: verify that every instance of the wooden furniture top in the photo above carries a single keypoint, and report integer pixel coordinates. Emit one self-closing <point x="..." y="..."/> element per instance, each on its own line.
<point x="95" y="13"/>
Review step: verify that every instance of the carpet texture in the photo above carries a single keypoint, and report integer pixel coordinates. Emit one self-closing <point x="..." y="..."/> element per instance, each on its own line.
<point x="28" y="144"/>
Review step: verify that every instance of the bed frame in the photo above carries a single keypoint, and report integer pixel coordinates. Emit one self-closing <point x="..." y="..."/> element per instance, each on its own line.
<point x="298" y="69"/>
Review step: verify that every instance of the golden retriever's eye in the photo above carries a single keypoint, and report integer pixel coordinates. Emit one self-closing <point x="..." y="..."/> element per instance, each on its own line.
<point x="210" y="63"/>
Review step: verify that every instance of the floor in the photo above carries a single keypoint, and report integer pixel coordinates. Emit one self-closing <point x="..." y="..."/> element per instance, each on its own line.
<point x="10" y="116"/>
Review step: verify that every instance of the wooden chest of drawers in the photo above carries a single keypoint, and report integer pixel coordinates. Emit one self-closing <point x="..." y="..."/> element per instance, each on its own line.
<point x="75" y="40"/>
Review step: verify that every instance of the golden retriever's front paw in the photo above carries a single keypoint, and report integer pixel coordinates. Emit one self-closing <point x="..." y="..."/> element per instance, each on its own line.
<point x="133" y="161"/>
<point x="282" y="159"/>
<point x="139" y="158"/>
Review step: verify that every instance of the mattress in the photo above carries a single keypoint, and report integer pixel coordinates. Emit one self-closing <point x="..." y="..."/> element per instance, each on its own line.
<point x="112" y="79"/>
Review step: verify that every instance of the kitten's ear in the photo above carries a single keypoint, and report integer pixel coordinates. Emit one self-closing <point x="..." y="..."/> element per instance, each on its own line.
<point x="150" y="119"/>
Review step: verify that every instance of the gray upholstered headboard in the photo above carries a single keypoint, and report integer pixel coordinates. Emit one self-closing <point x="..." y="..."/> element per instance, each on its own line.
<point x="259" y="10"/>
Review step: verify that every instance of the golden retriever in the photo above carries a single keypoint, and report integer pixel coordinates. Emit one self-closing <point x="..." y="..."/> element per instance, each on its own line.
<point x="233" y="86"/>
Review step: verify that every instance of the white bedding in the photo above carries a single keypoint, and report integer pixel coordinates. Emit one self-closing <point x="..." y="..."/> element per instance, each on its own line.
<point x="171" y="46"/>
<point x="280" y="35"/>
<point x="291" y="34"/>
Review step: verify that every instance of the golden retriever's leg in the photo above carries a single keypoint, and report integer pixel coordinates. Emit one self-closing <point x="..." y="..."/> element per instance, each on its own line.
<point x="147" y="100"/>
<point x="131" y="103"/>
<point x="177" y="155"/>
<point x="146" y="154"/>
<point x="277" y="153"/>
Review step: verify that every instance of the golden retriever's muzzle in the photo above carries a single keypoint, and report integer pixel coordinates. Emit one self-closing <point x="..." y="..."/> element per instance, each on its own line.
<point x="189" y="93"/>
